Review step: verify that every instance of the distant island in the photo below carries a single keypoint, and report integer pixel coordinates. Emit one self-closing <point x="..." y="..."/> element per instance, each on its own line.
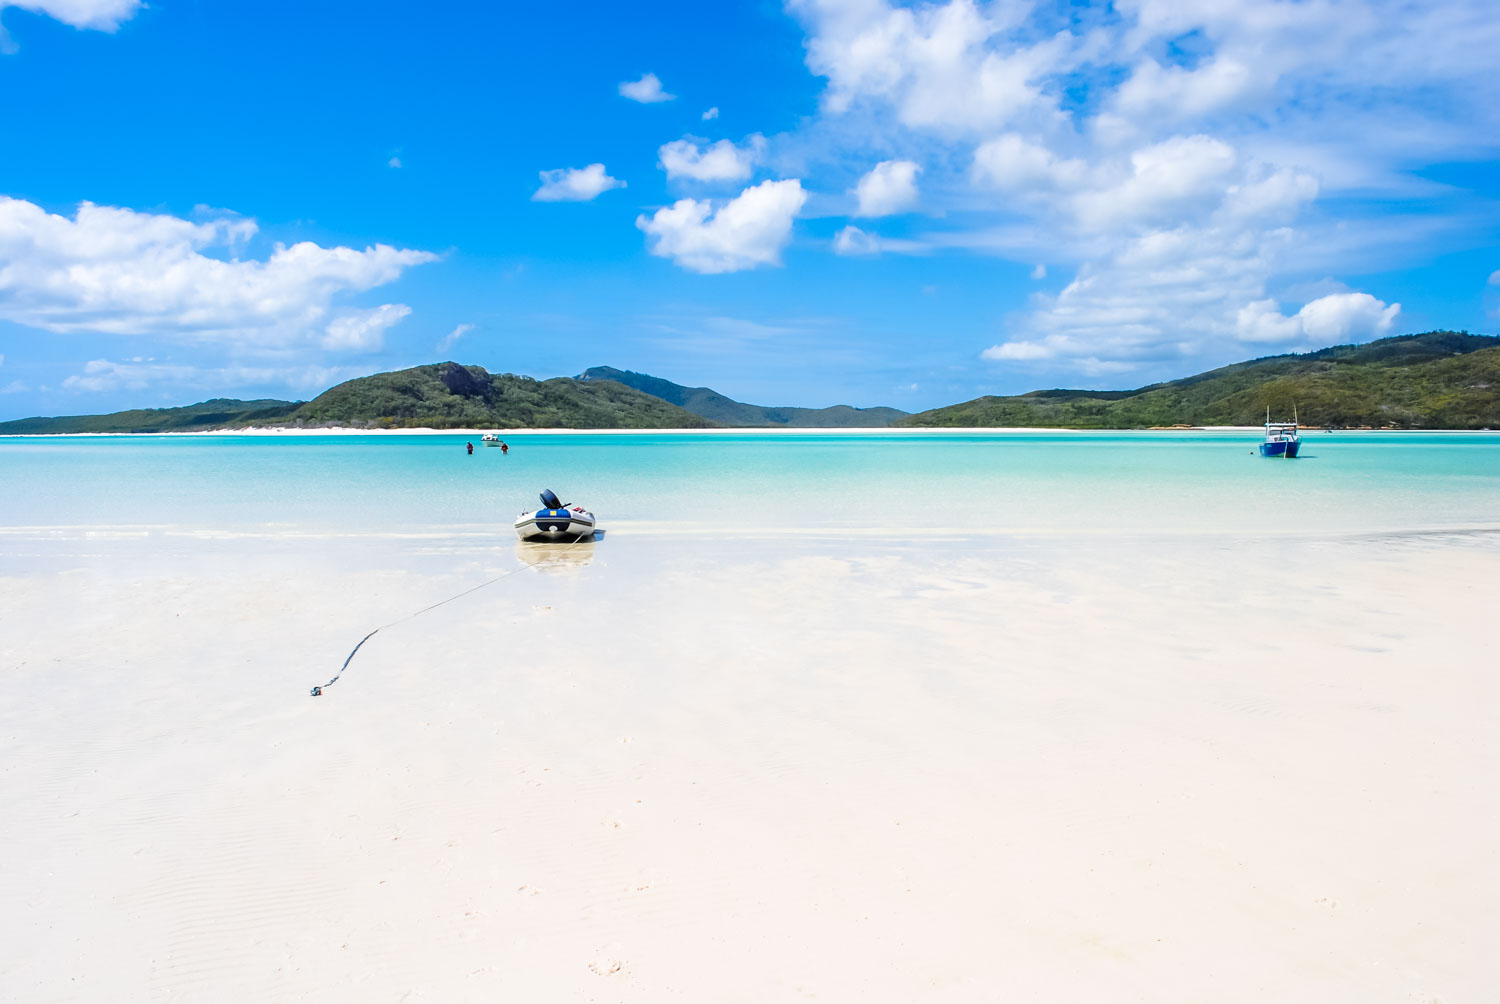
<point x="1434" y="380"/>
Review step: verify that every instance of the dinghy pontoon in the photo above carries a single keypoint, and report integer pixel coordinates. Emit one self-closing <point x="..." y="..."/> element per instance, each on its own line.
<point x="555" y="521"/>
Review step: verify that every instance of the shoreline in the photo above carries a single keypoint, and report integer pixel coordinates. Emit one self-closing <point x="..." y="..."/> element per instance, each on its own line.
<point x="266" y="431"/>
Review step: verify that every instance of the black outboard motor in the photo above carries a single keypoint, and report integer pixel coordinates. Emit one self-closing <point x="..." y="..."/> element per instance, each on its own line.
<point x="550" y="500"/>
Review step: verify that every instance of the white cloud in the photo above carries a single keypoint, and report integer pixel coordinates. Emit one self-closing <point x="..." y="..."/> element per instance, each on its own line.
<point x="1343" y="316"/>
<point x="363" y="330"/>
<point x="1178" y="239"/>
<point x="1262" y="321"/>
<point x="101" y="374"/>
<point x="1332" y="319"/>
<point x="1166" y="152"/>
<point x="137" y="374"/>
<point x="393" y="162"/>
<point x="646" y="90"/>
<point x="749" y="230"/>
<point x="2" y="360"/>
<point x="721" y="161"/>
<point x="711" y="114"/>
<point x="1013" y="163"/>
<point x="452" y="337"/>
<point x="1166" y="182"/>
<point x="853" y="241"/>
<point x="1046" y="349"/>
<point x="14" y="387"/>
<point x="889" y="187"/>
<point x="1495" y="277"/>
<point x="100" y="15"/>
<point x="1155" y="93"/>
<point x="950" y="67"/>
<point x="117" y="271"/>
<point x="574" y="184"/>
<point x="1039" y="272"/>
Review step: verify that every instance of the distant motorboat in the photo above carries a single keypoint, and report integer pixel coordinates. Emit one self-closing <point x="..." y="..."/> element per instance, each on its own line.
<point x="1281" y="438"/>
<point x="555" y="521"/>
<point x="490" y="439"/>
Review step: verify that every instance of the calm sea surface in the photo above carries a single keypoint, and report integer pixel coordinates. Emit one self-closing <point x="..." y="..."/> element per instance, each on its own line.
<point x="1017" y="482"/>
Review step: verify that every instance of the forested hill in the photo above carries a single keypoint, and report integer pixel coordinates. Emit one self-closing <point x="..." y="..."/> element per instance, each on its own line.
<point x="437" y="396"/>
<point x="219" y="413"/>
<point x="1436" y="380"/>
<point x="714" y="406"/>
<point x="447" y="395"/>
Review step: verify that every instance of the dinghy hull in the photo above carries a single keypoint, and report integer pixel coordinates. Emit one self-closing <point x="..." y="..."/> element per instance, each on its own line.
<point x="555" y="524"/>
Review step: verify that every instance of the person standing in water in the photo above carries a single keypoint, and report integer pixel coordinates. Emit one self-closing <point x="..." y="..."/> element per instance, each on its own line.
<point x="471" y="449"/>
<point x="504" y="449"/>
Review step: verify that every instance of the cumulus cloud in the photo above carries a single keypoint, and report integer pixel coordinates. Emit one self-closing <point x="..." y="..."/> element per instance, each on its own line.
<point x="1338" y="317"/>
<point x="574" y="184"/>
<point x="1166" y="181"/>
<point x="646" y="90"/>
<point x="1166" y="152"/>
<point x="117" y="271"/>
<point x="889" y="187"/>
<point x="749" y="230"/>
<point x="1016" y="164"/>
<point x="721" y="161"/>
<point x="363" y="330"/>
<point x="935" y="64"/>
<point x="711" y="114"/>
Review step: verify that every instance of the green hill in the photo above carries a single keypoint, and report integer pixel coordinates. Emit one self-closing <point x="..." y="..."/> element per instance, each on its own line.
<point x="437" y="396"/>
<point x="215" y="414"/>
<point x="447" y="395"/>
<point x="726" y="411"/>
<point x="1437" y="380"/>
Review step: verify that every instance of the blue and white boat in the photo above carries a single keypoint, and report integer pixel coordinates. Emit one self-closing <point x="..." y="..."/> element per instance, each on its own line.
<point x="1281" y="438"/>
<point x="555" y="521"/>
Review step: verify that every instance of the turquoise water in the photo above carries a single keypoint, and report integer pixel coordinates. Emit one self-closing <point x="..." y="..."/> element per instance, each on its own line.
<point x="927" y="482"/>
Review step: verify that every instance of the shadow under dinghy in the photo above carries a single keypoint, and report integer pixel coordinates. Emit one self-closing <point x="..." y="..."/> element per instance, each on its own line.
<point x="555" y="521"/>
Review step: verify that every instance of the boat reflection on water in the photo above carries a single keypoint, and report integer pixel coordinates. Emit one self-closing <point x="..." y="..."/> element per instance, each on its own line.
<point x="548" y="556"/>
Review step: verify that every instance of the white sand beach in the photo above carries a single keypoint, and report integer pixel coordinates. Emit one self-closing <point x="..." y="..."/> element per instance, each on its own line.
<point x="748" y="769"/>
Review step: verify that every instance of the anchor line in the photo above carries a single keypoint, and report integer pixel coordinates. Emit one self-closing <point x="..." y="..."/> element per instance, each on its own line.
<point x="318" y="691"/>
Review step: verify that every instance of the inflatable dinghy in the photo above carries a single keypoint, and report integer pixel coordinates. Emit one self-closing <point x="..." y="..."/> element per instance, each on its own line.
<point x="555" y="521"/>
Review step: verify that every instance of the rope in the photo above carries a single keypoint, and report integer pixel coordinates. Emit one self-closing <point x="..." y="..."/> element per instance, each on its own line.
<point x="318" y="691"/>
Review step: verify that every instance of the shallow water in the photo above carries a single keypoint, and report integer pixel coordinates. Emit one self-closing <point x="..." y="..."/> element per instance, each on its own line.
<point x="910" y="482"/>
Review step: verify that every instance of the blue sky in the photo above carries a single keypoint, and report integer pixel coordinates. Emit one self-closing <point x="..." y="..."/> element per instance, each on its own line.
<point x="809" y="203"/>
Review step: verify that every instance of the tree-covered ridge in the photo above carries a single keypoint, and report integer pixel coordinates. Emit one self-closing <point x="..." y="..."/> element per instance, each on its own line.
<point x="726" y="411"/>
<point x="447" y="396"/>
<point x="1437" y="380"/>
<point x="215" y="414"/>
<point x="436" y="396"/>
